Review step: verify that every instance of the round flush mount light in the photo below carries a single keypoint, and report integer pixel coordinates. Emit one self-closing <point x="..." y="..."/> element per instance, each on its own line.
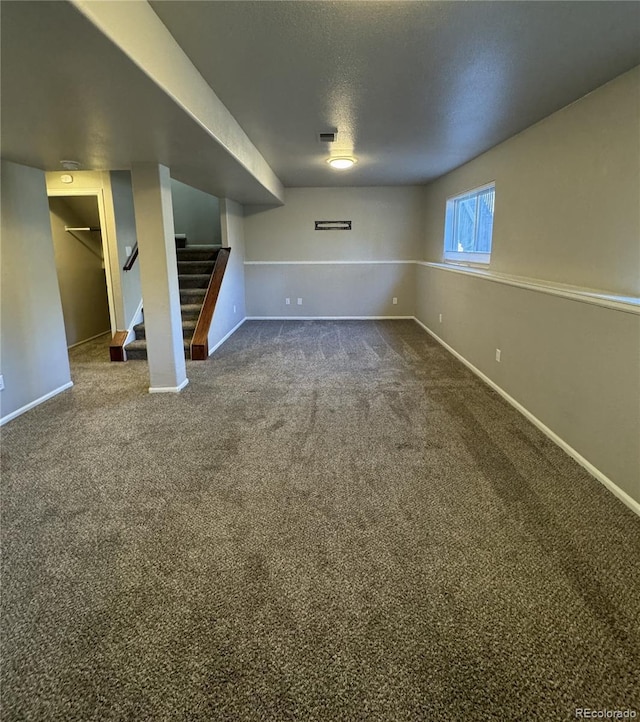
<point x="341" y="163"/>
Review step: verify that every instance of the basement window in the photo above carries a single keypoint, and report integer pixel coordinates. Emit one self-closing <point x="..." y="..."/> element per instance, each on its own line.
<point x="469" y="225"/>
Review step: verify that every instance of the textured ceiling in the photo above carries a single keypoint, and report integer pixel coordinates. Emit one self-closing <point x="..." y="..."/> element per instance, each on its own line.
<point x="414" y="88"/>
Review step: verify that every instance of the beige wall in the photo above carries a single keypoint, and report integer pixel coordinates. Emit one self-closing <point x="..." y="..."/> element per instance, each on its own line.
<point x="330" y="290"/>
<point x="336" y="273"/>
<point x="567" y="211"/>
<point x="386" y="225"/>
<point x="230" y="308"/>
<point x="195" y="214"/>
<point x="567" y="194"/>
<point x="81" y="277"/>
<point x="151" y="186"/>
<point x="33" y="349"/>
<point x="120" y="212"/>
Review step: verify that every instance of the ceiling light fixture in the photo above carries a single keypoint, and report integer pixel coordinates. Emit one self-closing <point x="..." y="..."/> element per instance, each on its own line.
<point x="70" y="164"/>
<point x="341" y="163"/>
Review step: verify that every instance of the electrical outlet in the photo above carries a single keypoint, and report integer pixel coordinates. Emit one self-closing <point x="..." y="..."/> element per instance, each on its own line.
<point x="498" y="355"/>
<point x="395" y="300"/>
<point x="440" y="318"/>
<point x="287" y="301"/>
<point x="1" y="382"/>
<point x="127" y="251"/>
<point x="299" y="302"/>
<point x="234" y="308"/>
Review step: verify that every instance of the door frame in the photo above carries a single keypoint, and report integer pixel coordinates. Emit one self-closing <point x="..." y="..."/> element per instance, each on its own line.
<point x="104" y="234"/>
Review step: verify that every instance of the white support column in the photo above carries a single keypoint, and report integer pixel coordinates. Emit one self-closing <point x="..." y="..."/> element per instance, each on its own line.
<point x="159" y="277"/>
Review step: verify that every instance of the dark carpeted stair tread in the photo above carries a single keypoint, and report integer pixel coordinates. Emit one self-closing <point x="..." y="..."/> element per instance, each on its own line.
<point x="194" y="280"/>
<point x="197" y="253"/>
<point x="190" y="310"/>
<point x="188" y="327"/>
<point x="195" y="267"/>
<point x="192" y="296"/>
<point x="136" y="350"/>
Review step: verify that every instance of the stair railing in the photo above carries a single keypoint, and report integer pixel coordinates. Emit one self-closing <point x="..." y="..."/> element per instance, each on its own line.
<point x="131" y="258"/>
<point x="200" y="340"/>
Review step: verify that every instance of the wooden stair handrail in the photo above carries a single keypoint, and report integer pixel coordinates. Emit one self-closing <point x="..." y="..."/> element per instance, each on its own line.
<point x="132" y="258"/>
<point x="200" y="340"/>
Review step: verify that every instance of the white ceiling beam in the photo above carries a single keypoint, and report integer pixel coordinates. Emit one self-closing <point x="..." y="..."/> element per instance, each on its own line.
<point x="134" y="27"/>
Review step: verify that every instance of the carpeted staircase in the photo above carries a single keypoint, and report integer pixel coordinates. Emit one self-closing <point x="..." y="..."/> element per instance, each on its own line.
<point x="195" y="266"/>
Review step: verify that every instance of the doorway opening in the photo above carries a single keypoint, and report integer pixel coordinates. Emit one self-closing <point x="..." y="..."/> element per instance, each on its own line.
<point x="81" y="257"/>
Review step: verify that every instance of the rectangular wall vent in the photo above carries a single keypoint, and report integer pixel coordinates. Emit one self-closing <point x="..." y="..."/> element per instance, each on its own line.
<point x="328" y="136"/>
<point x="333" y="225"/>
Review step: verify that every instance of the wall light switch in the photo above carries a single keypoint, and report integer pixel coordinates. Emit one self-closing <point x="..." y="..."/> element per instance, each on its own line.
<point x="1" y="382"/>
<point x="127" y="251"/>
<point x="299" y="302"/>
<point x="498" y="355"/>
<point x="395" y="300"/>
<point x="440" y="318"/>
<point x="234" y="308"/>
<point x="287" y="301"/>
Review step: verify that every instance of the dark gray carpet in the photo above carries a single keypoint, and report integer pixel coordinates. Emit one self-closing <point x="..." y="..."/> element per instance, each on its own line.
<point x="333" y="521"/>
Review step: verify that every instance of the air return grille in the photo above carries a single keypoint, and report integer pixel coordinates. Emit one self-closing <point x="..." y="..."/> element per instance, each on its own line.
<point x="328" y="136"/>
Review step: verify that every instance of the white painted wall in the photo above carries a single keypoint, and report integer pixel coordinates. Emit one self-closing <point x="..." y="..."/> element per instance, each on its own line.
<point x="80" y="271"/>
<point x="195" y="214"/>
<point x="230" y="309"/>
<point x="33" y="349"/>
<point x="336" y="273"/>
<point x="567" y="211"/>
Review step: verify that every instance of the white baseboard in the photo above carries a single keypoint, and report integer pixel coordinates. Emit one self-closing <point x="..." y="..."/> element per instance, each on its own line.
<point x="35" y="403"/>
<point x="86" y="340"/>
<point x="329" y="318"/>
<point x="168" y="389"/>
<point x="224" y="338"/>
<point x="587" y="465"/>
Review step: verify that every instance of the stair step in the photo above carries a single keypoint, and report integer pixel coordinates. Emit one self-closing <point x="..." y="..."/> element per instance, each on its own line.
<point x="192" y="296"/>
<point x="136" y="350"/>
<point x="197" y="253"/>
<point x="190" y="310"/>
<point x="188" y="327"/>
<point x="194" y="280"/>
<point x="195" y="267"/>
